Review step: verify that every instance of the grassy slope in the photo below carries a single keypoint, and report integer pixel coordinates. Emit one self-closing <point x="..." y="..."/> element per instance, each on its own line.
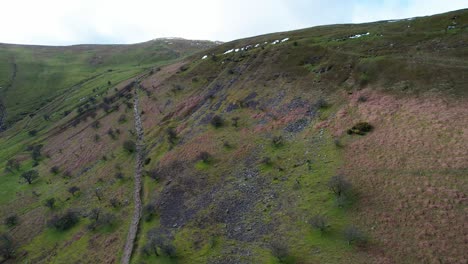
<point x="234" y="208"/>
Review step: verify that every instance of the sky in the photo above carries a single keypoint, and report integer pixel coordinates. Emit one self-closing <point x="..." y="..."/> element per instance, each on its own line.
<point x="67" y="22"/>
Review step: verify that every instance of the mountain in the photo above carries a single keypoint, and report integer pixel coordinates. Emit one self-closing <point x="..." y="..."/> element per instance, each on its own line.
<point x="333" y="144"/>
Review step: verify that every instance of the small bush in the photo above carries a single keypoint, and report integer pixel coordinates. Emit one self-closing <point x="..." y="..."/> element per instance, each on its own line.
<point x="114" y="202"/>
<point x="354" y="235"/>
<point x="322" y="103"/>
<point x="96" y="124"/>
<point x="54" y="170"/>
<point x="319" y="222"/>
<point x="267" y="161"/>
<point x="97" y="138"/>
<point x="280" y="251"/>
<point x="217" y="121"/>
<point x="65" y="221"/>
<point x="11" y="220"/>
<point x="149" y="211"/>
<point x="12" y="165"/>
<point x="32" y="133"/>
<point x="204" y="156"/>
<point x="7" y="246"/>
<point x="171" y="135"/>
<point x="130" y="146"/>
<point x="119" y="176"/>
<point x="235" y="121"/>
<point x="277" y="141"/>
<point x="362" y="99"/>
<point x="122" y="119"/>
<point x="50" y="203"/>
<point x="360" y="128"/>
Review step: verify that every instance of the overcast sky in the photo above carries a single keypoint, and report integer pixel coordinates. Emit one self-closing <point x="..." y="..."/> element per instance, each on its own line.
<point x="65" y="22"/>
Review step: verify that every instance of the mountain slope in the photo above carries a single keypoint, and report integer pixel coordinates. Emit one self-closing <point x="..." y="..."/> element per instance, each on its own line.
<point x="240" y="148"/>
<point x="32" y="76"/>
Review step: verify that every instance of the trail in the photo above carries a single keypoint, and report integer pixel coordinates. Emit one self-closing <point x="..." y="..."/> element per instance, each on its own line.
<point x="133" y="230"/>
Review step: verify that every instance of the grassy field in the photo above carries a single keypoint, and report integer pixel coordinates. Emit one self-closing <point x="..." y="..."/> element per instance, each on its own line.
<point x="241" y="147"/>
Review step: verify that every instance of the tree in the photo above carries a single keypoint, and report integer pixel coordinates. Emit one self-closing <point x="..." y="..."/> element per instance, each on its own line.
<point x="280" y="251"/>
<point x="129" y="146"/>
<point x="100" y="219"/>
<point x="158" y="239"/>
<point x="73" y="190"/>
<point x="13" y="164"/>
<point x="7" y="246"/>
<point x="277" y="141"/>
<point x="354" y="235"/>
<point x="50" y="203"/>
<point x="339" y="185"/>
<point x="65" y="221"/>
<point x="30" y="176"/>
<point x="149" y="211"/>
<point x="319" y="222"/>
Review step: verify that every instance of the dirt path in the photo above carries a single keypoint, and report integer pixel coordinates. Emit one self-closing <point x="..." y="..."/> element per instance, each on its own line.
<point x="132" y="232"/>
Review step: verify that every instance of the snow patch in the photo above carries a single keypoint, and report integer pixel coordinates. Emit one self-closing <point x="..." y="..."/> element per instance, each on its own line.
<point x="284" y="40"/>
<point x="204" y="57"/>
<point x="359" y="35"/>
<point x="229" y="51"/>
<point x="236" y="50"/>
<point x="275" y="42"/>
<point x="258" y="45"/>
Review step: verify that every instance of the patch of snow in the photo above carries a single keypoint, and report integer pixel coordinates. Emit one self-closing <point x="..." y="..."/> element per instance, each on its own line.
<point x="265" y="43"/>
<point x="204" y="57"/>
<point x="284" y="40"/>
<point x="229" y="51"/>
<point x="359" y="35"/>
<point x="393" y="21"/>
<point x="243" y="49"/>
<point x="258" y="45"/>
<point x="236" y="50"/>
<point x="275" y="42"/>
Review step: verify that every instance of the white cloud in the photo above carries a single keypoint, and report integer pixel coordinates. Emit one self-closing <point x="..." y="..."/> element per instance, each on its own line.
<point x="59" y="22"/>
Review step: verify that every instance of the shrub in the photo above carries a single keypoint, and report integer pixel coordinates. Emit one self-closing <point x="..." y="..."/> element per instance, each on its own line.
<point x="119" y="176"/>
<point x="279" y="250"/>
<point x="12" y="164"/>
<point x="32" y="133"/>
<point x="149" y="211"/>
<point x="54" y="170"/>
<point x="97" y="138"/>
<point x="112" y="133"/>
<point x="235" y="121"/>
<point x="100" y="219"/>
<point x="204" y="156"/>
<point x="73" y="190"/>
<point x="319" y="222"/>
<point x="50" y="203"/>
<point x="322" y="103"/>
<point x="11" y="220"/>
<point x="337" y="142"/>
<point x="98" y="193"/>
<point x="30" y="176"/>
<point x="171" y="135"/>
<point x="114" y="202"/>
<point x="122" y="119"/>
<point x="339" y="185"/>
<point x="65" y="221"/>
<point x="360" y="128"/>
<point x="354" y="235"/>
<point x="362" y="99"/>
<point x="96" y="124"/>
<point x="277" y="141"/>
<point x="217" y="121"/>
<point x="267" y="161"/>
<point x="129" y="146"/>
<point x="157" y="239"/>
<point x="7" y="246"/>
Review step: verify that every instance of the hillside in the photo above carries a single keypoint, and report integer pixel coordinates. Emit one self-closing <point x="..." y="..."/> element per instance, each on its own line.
<point x="246" y="149"/>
